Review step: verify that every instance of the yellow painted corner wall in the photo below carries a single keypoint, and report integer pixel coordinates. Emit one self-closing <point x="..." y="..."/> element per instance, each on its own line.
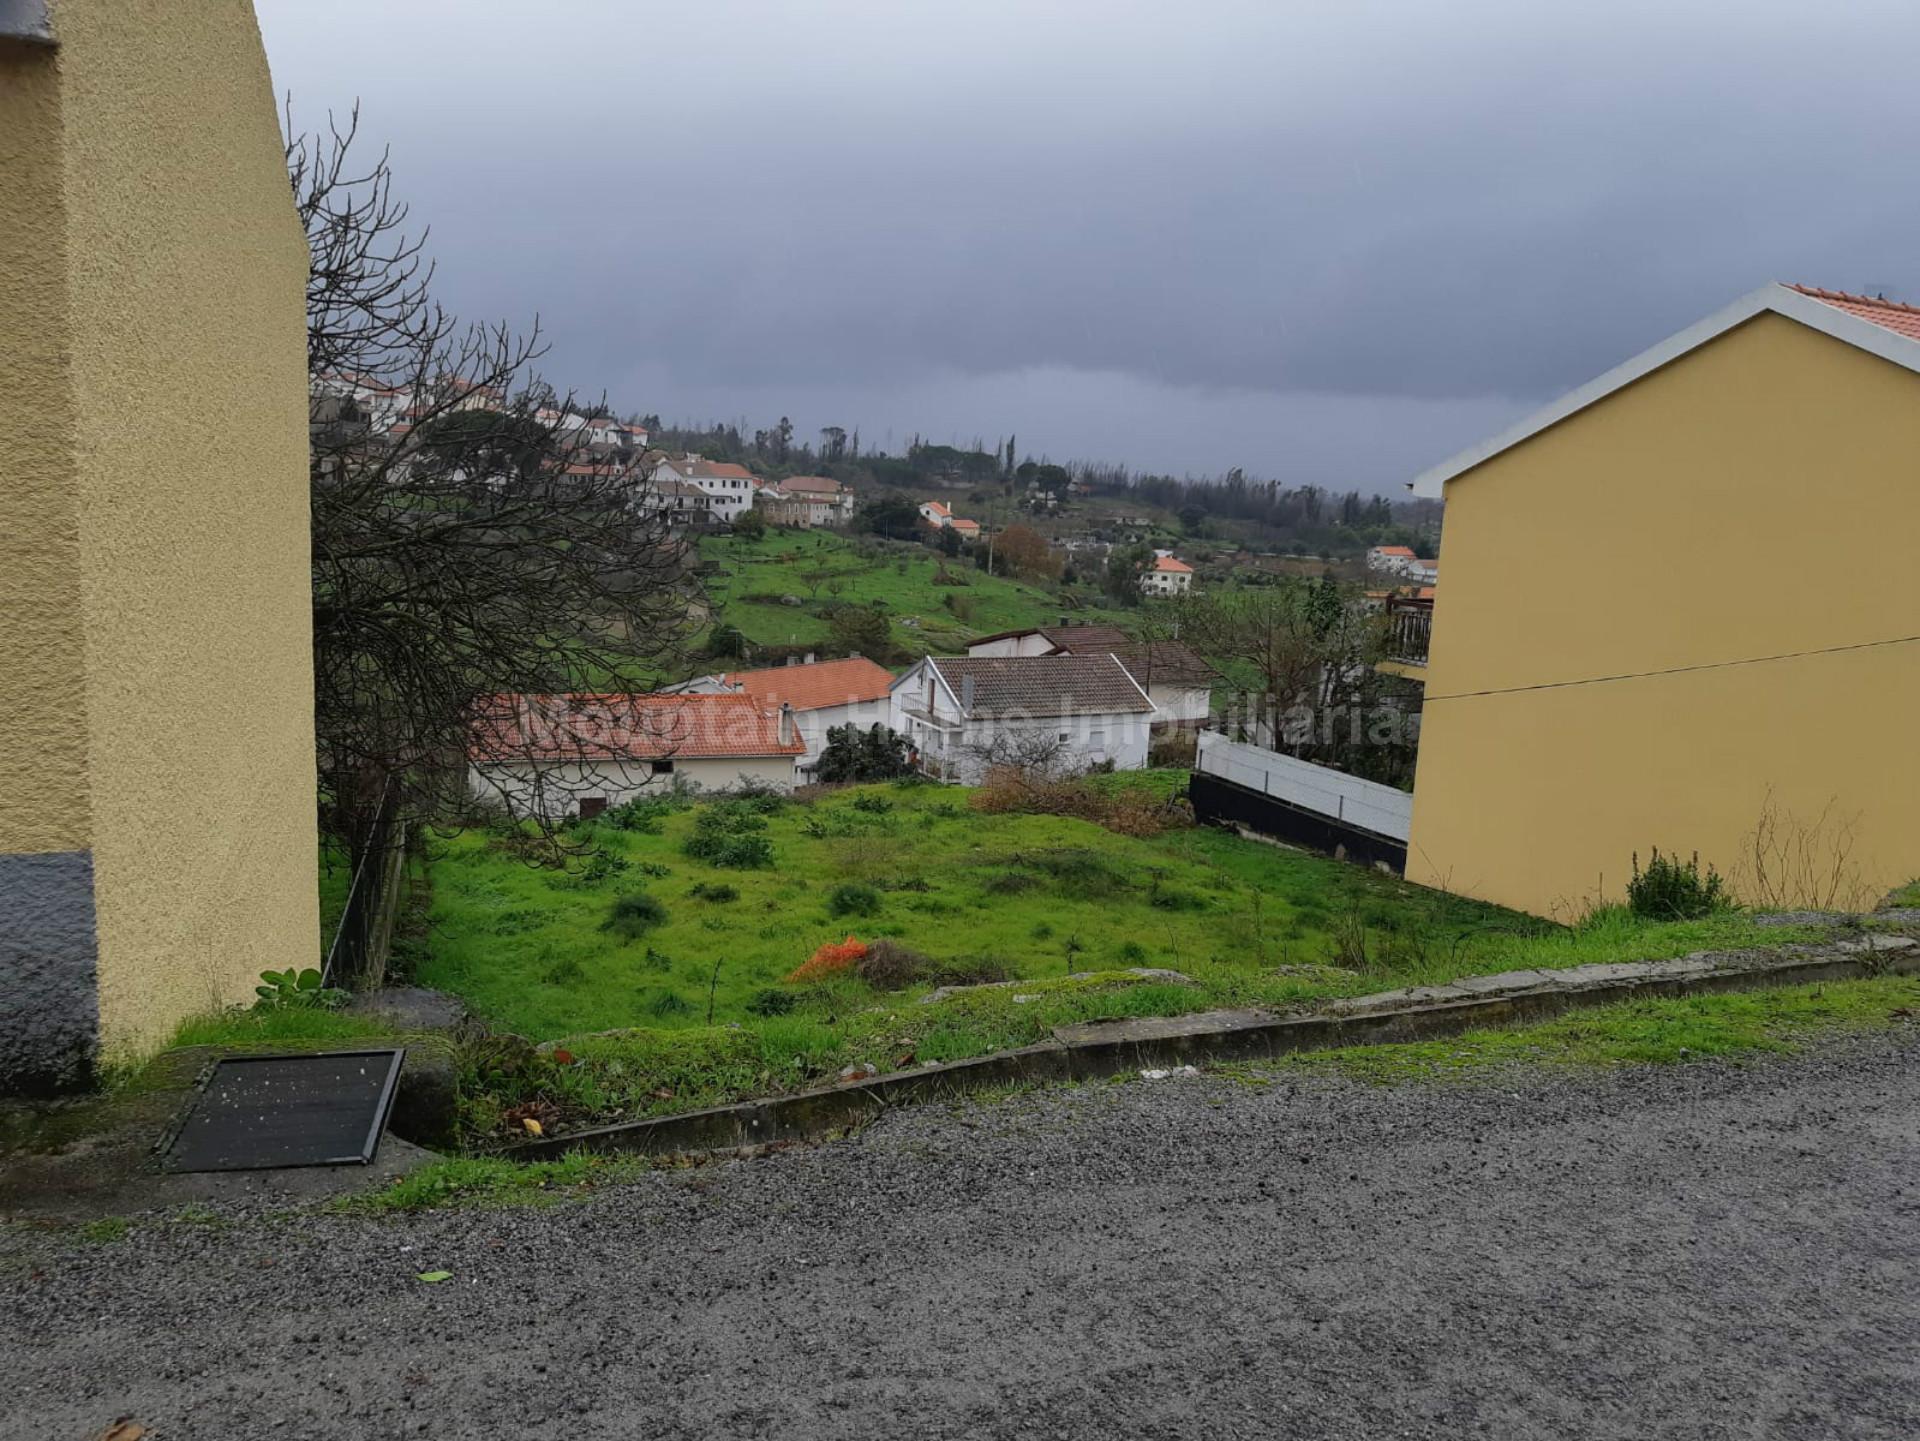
<point x="43" y="749"/>
<point x="187" y="292"/>
<point x="1749" y="500"/>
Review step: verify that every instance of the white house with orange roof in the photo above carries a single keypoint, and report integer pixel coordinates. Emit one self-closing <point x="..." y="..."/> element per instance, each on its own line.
<point x="822" y="696"/>
<point x="1166" y="575"/>
<point x="562" y="755"/>
<point x="936" y="513"/>
<point x="1391" y="559"/>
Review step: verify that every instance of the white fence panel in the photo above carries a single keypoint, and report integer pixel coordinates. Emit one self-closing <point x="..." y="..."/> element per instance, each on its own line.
<point x="1367" y="804"/>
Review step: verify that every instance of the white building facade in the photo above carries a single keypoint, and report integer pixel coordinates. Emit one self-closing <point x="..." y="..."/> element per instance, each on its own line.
<point x="1066" y="713"/>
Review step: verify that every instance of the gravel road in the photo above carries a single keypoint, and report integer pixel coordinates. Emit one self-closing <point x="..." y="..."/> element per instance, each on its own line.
<point x="1703" y="1251"/>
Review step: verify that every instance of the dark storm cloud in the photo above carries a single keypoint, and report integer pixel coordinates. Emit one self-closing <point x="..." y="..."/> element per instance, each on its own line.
<point x="1328" y="238"/>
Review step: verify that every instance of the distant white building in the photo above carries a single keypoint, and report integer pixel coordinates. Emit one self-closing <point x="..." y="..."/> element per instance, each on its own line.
<point x="962" y="714"/>
<point x="1389" y="559"/>
<point x="1166" y="575"/>
<point x="1423" y="572"/>
<point x="685" y="505"/>
<point x="729" y="488"/>
<point x="936" y="514"/>
<point x="813" y="500"/>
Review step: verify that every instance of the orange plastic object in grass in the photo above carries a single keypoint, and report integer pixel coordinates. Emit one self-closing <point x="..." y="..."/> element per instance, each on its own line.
<point x="832" y="959"/>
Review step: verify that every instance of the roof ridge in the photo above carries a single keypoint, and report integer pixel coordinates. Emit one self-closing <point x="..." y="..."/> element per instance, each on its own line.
<point x="1879" y="302"/>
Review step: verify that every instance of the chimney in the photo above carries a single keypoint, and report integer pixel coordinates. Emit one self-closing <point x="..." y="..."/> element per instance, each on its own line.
<point x="786" y="724"/>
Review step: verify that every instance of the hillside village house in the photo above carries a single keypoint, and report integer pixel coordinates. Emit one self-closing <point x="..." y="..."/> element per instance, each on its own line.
<point x="1166" y="575"/>
<point x="935" y="513"/>
<point x="685" y="505"/>
<point x="1567" y="728"/>
<point x="157" y="831"/>
<point x="821" y="695"/>
<point x="729" y="488"/>
<point x="962" y="713"/>
<point x="811" y="500"/>
<point x="562" y="755"/>
<point x="965" y="529"/>
<point x="1178" y="682"/>
<point x="1390" y="559"/>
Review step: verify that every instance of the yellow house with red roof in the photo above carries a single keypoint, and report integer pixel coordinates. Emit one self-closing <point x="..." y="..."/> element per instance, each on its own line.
<point x="1742" y="679"/>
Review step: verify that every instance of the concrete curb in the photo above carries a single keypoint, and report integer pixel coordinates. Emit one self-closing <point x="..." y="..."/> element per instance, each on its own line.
<point x="1105" y="1048"/>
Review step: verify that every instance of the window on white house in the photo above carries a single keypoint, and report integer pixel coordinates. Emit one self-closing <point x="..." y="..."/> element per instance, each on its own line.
<point x="663" y="768"/>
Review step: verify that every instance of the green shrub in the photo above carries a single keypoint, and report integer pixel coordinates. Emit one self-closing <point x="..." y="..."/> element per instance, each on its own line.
<point x="1172" y="898"/>
<point x="1080" y="870"/>
<point x="565" y="972"/>
<point x="1132" y="953"/>
<point x="872" y="802"/>
<point x="296" y="990"/>
<point x="719" y="892"/>
<point x="660" y="1001"/>
<point x="1673" y="890"/>
<point x="730" y="834"/>
<point x="854" y="899"/>
<point x="632" y="916"/>
<point x="658" y="961"/>
<point x="771" y="1001"/>
<point x="1010" y="883"/>
<point x="643" y="814"/>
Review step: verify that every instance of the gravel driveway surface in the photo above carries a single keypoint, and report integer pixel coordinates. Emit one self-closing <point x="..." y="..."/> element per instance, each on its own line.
<point x="1701" y="1251"/>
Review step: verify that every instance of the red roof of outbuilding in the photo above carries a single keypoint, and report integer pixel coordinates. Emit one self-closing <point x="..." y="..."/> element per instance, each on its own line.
<point x="1889" y="314"/>
<point x="1171" y="563"/>
<point x="817" y="686"/>
<point x="627" y="727"/>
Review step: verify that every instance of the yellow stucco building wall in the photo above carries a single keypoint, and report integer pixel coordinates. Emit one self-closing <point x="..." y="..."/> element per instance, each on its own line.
<point x="156" y="744"/>
<point x="1751" y="499"/>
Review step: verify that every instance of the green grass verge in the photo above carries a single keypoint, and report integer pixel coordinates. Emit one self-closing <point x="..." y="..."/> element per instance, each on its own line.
<point x="821" y="569"/>
<point x="489" y="1181"/>
<point x="1649" y="1032"/>
<point x="293" y="1026"/>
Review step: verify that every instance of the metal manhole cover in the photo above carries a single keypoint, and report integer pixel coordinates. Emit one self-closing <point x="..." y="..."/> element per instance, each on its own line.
<point x="260" y="1112"/>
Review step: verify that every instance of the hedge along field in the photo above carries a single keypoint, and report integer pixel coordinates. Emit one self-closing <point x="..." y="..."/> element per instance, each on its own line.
<point x="821" y="569"/>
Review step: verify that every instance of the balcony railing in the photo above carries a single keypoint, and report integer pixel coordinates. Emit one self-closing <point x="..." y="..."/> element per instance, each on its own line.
<point x="1409" y="629"/>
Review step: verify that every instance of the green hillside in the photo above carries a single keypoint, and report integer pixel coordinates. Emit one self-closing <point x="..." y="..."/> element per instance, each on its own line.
<point x="820" y="571"/>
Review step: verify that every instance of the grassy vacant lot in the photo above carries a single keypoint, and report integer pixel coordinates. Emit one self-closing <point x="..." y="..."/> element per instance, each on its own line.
<point x="822" y="569"/>
<point x="1061" y="904"/>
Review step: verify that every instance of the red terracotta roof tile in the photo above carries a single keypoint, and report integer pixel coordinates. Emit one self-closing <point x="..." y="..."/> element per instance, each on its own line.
<point x="817" y="686"/>
<point x="1891" y="315"/>
<point x="626" y="727"/>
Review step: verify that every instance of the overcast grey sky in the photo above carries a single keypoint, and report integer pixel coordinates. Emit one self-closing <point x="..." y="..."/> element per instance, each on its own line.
<point x="1330" y="241"/>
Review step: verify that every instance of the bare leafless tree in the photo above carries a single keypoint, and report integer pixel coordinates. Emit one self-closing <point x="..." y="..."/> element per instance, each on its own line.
<point x="474" y="536"/>
<point x="1309" y="649"/>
